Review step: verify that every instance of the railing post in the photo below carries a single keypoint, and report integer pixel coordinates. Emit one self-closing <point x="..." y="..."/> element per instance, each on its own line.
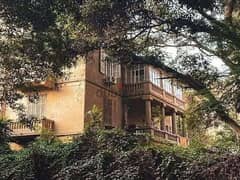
<point x="174" y="125"/>
<point x="152" y="133"/>
<point x="183" y="127"/>
<point x="125" y="118"/>
<point x="162" y="121"/>
<point x="166" y="135"/>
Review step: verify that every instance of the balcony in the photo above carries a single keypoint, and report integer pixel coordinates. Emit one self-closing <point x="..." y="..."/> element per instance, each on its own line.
<point x="159" y="136"/>
<point x="21" y="130"/>
<point x="48" y="84"/>
<point x="180" y="103"/>
<point x="136" y="89"/>
<point x="147" y="88"/>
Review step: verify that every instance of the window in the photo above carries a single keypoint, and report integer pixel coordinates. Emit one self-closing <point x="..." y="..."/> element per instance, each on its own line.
<point x="37" y="108"/>
<point x="155" y="76"/>
<point x="108" y="67"/>
<point x="135" y="74"/>
<point x="167" y="85"/>
<point x="116" y="70"/>
<point x="178" y="92"/>
<point x="102" y="61"/>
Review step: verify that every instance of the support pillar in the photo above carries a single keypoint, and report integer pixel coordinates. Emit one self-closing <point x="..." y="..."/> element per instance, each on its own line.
<point x="174" y="124"/>
<point x="125" y="110"/>
<point x="183" y="127"/>
<point x="162" y="125"/>
<point x="179" y="125"/>
<point x="148" y="113"/>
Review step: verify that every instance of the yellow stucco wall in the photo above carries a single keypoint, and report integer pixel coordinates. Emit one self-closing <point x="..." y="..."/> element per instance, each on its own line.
<point x="66" y="108"/>
<point x="65" y="104"/>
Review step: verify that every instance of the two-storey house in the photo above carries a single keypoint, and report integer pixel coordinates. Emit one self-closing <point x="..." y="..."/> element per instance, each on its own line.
<point x="135" y="97"/>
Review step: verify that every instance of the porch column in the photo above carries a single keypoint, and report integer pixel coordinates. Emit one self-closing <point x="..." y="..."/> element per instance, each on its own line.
<point x="174" y="124"/>
<point x="183" y="127"/>
<point x="125" y="114"/>
<point x="162" y="121"/>
<point x="148" y="113"/>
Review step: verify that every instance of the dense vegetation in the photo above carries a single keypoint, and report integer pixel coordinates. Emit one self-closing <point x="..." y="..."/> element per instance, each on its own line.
<point x="114" y="154"/>
<point x="40" y="38"/>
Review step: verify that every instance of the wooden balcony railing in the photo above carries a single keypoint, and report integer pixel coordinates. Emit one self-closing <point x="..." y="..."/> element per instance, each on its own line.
<point x="134" y="89"/>
<point x="180" y="103"/>
<point x="147" y="88"/>
<point x="156" y="90"/>
<point x="169" y="97"/>
<point x="140" y="131"/>
<point x="20" y="129"/>
<point x="183" y="141"/>
<point x="160" y="135"/>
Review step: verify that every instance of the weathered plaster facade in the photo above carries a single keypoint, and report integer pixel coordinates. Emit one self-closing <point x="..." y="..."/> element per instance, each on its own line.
<point x="126" y="101"/>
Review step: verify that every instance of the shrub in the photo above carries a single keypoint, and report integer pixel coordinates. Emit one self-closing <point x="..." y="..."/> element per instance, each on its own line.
<point x="114" y="154"/>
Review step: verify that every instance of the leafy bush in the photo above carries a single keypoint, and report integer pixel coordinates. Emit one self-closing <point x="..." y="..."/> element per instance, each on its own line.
<point x="4" y="131"/>
<point x="116" y="140"/>
<point x="97" y="154"/>
<point x="16" y="166"/>
<point x="114" y="154"/>
<point x="4" y="136"/>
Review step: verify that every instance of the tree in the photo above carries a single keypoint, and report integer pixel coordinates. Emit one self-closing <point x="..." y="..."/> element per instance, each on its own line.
<point x="133" y="28"/>
<point x="53" y="33"/>
<point x="33" y="46"/>
<point x="4" y="136"/>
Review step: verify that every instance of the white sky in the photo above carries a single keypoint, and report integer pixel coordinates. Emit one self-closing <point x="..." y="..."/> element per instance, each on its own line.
<point x="216" y="62"/>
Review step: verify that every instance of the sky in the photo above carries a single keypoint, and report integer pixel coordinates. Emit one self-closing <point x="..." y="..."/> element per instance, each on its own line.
<point x="216" y="62"/>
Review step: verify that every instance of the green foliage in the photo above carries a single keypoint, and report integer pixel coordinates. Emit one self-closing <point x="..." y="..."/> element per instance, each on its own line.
<point x="4" y="131"/>
<point x="225" y="141"/>
<point x="4" y="136"/>
<point x="95" y="118"/>
<point x="47" y="136"/>
<point x="196" y="117"/>
<point x="114" y="154"/>
<point x="95" y="155"/>
<point x="46" y="36"/>
<point x="117" y="140"/>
